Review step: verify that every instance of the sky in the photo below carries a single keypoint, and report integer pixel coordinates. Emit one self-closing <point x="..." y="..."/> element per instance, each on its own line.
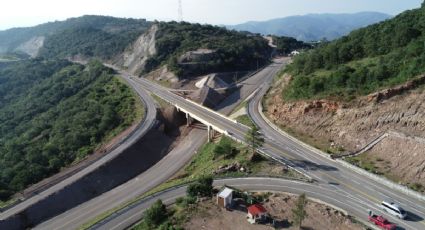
<point x="21" y="13"/>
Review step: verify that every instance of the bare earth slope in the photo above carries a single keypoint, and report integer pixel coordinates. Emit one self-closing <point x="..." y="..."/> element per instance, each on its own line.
<point x="279" y="206"/>
<point x="351" y="126"/>
<point x="135" y="56"/>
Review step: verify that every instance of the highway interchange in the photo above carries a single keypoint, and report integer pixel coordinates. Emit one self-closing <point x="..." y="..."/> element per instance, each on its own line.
<point x="161" y="171"/>
<point x="350" y="191"/>
<point x="326" y="172"/>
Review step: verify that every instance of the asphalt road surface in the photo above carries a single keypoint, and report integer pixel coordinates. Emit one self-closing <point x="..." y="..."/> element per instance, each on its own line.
<point x="127" y="217"/>
<point x="328" y="172"/>
<point x="147" y="123"/>
<point x="324" y="170"/>
<point x="362" y="192"/>
<point x="158" y="173"/>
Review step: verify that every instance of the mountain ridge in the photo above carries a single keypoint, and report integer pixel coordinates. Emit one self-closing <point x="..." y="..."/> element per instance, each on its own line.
<point x="312" y="27"/>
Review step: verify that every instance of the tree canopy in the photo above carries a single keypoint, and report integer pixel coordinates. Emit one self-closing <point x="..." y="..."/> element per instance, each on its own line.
<point x="378" y="56"/>
<point x="254" y="138"/>
<point x="299" y="213"/>
<point x="202" y="187"/>
<point x="89" y="35"/>
<point x="53" y="113"/>
<point x="234" y="50"/>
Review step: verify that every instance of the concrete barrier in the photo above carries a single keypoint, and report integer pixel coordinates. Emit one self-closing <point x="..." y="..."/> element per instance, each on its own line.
<point x="383" y="180"/>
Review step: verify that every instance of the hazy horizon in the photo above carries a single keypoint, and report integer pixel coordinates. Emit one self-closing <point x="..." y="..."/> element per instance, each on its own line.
<point x="201" y="11"/>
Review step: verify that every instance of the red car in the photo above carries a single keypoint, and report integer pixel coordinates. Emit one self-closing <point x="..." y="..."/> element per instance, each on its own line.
<point x="382" y="222"/>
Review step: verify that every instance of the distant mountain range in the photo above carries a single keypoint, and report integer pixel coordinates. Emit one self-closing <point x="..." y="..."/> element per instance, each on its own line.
<point x="312" y="27"/>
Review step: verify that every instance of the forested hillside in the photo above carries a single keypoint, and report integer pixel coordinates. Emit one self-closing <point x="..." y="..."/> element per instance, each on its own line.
<point x="53" y="113"/>
<point x="381" y="55"/>
<point x="313" y="27"/>
<point x="285" y="45"/>
<point x="99" y="36"/>
<point x="234" y="50"/>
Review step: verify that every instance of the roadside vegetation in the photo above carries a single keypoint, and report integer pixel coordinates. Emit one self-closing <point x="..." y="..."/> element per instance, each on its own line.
<point x="285" y="45"/>
<point x="225" y="158"/>
<point x="382" y="167"/>
<point x="234" y="50"/>
<point x="159" y="217"/>
<point x="245" y="119"/>
<point x="55" y="113"/>
<point x="368" y="59"/>
<point x="285" y="211"/>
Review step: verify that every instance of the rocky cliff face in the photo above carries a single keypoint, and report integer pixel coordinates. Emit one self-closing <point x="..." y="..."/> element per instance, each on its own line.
<point x="353" y="125"/>
<point x="135" y="56"/>
<point x="32" y="46"/>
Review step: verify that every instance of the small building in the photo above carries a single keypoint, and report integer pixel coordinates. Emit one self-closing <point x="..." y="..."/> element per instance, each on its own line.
<point x="225" y="198"/>
<point x="256" y="213"/>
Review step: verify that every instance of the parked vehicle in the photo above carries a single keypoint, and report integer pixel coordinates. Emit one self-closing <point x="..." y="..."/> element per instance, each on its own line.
<point x="393" y="209"/>
<point x="381" y="222"/>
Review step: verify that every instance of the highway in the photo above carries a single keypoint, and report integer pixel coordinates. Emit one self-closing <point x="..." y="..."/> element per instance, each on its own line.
<point x="328" y="174"/>
<point x="157" y="174"/>
<point x="141" y="130"/>
<point x="324" y="170"/>
<point x="132" y="214"/>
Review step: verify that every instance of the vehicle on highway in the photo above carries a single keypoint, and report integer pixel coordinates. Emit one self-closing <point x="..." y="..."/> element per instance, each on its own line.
<point x="393" y="209"/>
<point x="381" y="222"/>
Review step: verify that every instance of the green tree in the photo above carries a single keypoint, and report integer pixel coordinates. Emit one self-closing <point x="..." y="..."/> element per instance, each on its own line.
<point x="201" y="188"/>
<point x="156" y="214"/>
<point x="224" y="148"/>
<point x="254" y="138"/>
<point x="299" y="213"/>
<point x="53" y="113"/>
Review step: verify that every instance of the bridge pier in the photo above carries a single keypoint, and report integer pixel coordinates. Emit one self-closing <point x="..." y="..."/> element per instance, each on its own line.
<point x="188" y="120"/>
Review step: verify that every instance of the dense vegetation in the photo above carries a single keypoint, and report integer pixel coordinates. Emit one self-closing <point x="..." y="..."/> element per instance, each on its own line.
<point x="285" y="45"/>
<point x="98" y="36"/>
<point x="313" y="27"/>
<point x="234" y="50"/>
<point x="53" y="113"/>
<point x="381" y="55"/>
<point x="90" y="40"/>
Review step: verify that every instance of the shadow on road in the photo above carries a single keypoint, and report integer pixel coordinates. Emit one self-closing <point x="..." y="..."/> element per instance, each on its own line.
<point x="413" y="217"/>
<point x="308" y="165"/>
<point x="230" y="100"/>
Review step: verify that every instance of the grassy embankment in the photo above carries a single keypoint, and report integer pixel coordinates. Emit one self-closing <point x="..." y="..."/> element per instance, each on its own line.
<point x="206" y="162"/>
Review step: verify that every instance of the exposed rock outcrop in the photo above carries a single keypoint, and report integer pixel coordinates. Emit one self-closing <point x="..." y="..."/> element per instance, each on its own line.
<point x="353" y="125"/>
<point x="32" y="46"/>
<point x="135" y="56"/>
<point x="388" y="93"/>
<point x="199" y="55"/>
<point x="212" y="81"/>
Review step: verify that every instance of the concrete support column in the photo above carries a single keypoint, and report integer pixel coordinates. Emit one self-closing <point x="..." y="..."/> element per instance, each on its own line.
<point x="209" y="133"/>
<point x="188" y="119"/>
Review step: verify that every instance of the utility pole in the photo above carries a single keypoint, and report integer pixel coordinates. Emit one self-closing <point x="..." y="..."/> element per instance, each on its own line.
<point x="180" y="11"/>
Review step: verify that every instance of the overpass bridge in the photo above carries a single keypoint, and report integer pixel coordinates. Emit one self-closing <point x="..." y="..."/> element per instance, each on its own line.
<point x="319" y="167"/>
<point x="214" y="121"/>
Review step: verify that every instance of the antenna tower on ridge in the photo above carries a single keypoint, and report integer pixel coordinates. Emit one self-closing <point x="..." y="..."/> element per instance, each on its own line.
<point x="180" y="11"/>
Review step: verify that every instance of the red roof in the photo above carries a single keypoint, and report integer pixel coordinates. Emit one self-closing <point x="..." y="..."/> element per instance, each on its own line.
<point x="256" y="209"/>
